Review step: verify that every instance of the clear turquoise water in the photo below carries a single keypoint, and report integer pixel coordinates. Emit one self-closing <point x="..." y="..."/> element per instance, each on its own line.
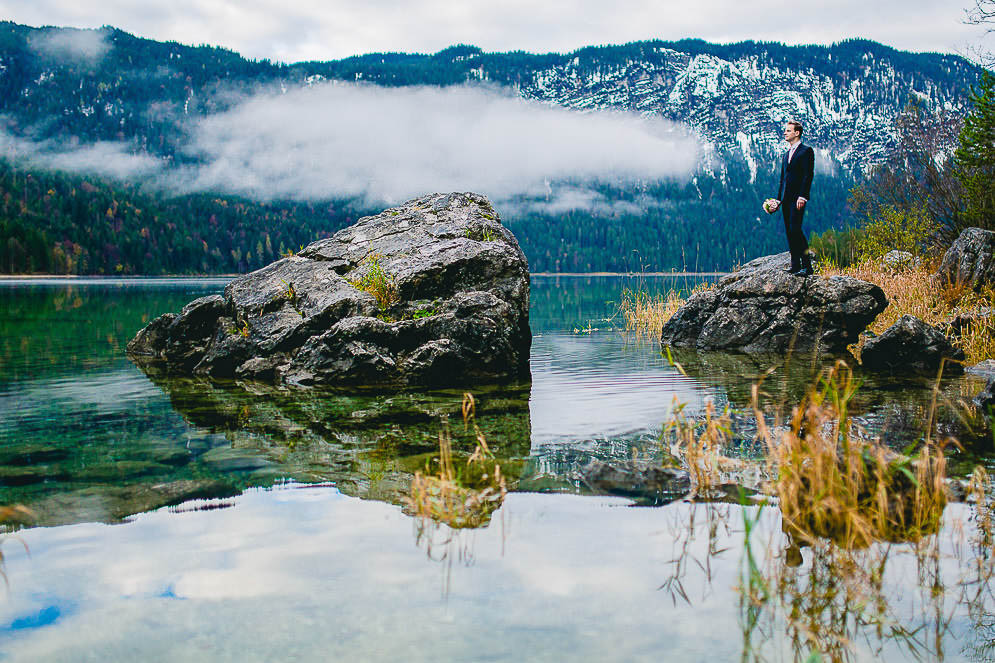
<point x="298" y="548"/>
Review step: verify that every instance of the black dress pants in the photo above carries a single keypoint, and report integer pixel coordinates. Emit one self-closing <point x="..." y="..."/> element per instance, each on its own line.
<point x="797" y="243"/>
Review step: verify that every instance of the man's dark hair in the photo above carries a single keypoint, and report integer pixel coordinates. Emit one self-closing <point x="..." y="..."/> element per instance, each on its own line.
<point x="797" y="125"/>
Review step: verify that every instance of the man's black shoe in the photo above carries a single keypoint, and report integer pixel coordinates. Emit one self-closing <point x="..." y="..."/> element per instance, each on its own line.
<point x="806" y="269"/>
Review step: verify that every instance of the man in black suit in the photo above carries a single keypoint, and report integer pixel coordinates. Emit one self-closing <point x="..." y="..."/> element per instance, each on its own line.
<point x="797" y="168"/>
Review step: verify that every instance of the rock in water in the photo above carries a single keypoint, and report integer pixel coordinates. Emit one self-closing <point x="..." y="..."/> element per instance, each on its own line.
<point x="910" y="345"/>
<point x="644" y="481"/>
<point x="435" y="291"/>
<point x="761" y="308"/>
<point x="970" y="260"/>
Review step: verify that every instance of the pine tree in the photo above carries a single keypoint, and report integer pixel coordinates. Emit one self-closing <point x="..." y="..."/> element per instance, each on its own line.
<point x="975" y="157"/>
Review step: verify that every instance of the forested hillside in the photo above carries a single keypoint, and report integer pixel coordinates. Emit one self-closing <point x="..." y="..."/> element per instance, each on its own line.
<point x="59" y="223"/>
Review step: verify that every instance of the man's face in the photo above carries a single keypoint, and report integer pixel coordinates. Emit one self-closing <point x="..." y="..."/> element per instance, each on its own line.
<point x="790" y="133"/>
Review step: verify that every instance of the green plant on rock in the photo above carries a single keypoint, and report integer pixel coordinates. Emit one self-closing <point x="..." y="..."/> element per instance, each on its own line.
<point x="291" y="296"/>
<point x="423" y="313"/>
<point x="485" y="234"/>
<point x="376" y="281"/>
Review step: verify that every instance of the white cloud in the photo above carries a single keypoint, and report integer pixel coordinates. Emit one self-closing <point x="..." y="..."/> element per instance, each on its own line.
<point x="561" y="199"/>
<point x="382" y="146"/>
<point x="80" y="45"/>
<point x="385" y="145"/>
<point x="106" y="159"/>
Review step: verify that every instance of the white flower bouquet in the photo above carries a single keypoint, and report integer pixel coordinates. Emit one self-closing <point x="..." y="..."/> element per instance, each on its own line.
<point x="771" y="205"/>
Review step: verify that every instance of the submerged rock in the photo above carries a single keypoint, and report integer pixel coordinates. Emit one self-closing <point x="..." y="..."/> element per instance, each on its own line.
<point x="985" y="400"/>
<point x="761" y="308"/>
<point x="970" y="260"/>
<point x="984" y="368"/>
<point x="910" y="345"/>
<point x="646" y="482"/>
<point x="435" y="291"/>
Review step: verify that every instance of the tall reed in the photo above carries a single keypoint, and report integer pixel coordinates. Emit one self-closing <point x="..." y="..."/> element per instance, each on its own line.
<point x="460" y="495"/>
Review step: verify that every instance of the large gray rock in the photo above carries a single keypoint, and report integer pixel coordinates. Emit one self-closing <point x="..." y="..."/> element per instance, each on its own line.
<point x="761" y="308"/>
<point x="910" y="345"/>
<point x="970" y="260"/>
<point x="435" y="291"/>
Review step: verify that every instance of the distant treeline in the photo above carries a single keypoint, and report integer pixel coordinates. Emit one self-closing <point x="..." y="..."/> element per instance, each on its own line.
<point x="54" y="222"/>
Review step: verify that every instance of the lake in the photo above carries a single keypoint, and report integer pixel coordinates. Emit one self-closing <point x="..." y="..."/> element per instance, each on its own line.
<point x="189" y="519"/>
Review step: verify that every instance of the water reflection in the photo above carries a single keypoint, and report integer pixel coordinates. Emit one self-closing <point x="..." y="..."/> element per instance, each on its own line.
<point x="895" y="407"/>
<point x="312" y="573"/>
<point x="85" y="435"/>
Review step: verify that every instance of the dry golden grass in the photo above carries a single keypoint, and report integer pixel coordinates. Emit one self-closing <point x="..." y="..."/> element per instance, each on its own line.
<point x="831" y="483"/>
<point x="12" y="516"/>
<point x="459" y="495"/>
<point x="698" y="446"/>
<point x="916" y="292"/>
<point x="646" y="314"/>
<point x="845" y="499"/>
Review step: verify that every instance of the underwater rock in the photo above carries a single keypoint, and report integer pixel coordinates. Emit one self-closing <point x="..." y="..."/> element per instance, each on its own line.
<point x="970" y="260"/>
<point x="984" y="368"/>
<point x="112" y="504"/>
<point x="910" y="345"/>
<point x="645" y="481"/>
<point x="760" y="308"/>
<point x="435" y="291"/>
<point x="986" y="399"/>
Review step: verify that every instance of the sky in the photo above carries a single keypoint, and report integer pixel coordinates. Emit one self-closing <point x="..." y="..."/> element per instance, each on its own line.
<point x="330" y="29"/>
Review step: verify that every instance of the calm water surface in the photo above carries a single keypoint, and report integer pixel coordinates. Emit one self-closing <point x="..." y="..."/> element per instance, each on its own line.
<point x="190" y="520"/>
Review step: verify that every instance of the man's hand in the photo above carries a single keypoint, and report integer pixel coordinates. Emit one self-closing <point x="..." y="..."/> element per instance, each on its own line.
<point x="800" y="204"/>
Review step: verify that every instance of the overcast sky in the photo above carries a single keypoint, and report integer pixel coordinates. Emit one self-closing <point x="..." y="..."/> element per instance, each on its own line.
<point x="295" y="30"/>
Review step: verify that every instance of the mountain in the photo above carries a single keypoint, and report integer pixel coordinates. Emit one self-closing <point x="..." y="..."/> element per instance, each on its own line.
<point x="142" y="94"/>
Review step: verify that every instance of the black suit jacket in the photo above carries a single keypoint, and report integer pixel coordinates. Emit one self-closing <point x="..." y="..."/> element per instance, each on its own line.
<point x="796" y="177"/>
